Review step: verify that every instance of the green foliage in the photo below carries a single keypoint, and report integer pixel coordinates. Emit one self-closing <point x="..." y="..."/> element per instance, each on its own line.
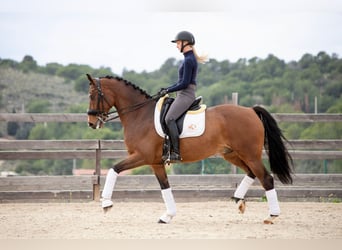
<point x="45" y="167"/>
<point x="52" y="68"/>
<point x="28" y="64"/>
<point x="318" y="166"/>
<point x="326" y="130"/>
<point x="73" y="71"/>
<point x="143" y="170"/>
<point x="270" y="81"/>
<point x="38" y="106"/>
<point x="81" y="84"/>
<point x="207" y="166"/>
<point x="331" y="130"/>
<point x="279" y="86"/>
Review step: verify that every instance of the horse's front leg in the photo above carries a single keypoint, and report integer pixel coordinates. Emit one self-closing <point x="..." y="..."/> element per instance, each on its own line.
<point x="108" y="188"/>
<point x="131" y="162"/>
<point x="170" y="204"/>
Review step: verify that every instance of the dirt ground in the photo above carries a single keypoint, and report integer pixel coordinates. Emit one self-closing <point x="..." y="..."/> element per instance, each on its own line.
<point x="195" y="220"/>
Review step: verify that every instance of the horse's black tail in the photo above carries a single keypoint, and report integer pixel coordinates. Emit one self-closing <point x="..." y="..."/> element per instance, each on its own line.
<point x="280" y="160"/>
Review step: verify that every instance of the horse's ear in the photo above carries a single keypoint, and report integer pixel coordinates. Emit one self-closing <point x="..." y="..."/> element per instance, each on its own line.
<point x="90" y="78"/>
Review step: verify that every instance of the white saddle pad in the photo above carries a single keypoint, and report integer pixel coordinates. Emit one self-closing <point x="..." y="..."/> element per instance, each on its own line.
<point x="194" y="121"/>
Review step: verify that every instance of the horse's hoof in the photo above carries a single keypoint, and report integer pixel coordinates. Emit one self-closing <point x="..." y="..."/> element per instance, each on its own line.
<point x="106" y="205"/>
<point x="270" y="219"/>
<point x="241" y="206"/>
<point x="165" y="219"/>
<point x="161" y="222"/>
<point x="107" y="209"/>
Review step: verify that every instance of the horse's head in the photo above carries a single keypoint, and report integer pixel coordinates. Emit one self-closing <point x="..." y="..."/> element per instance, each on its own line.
<point x="98" y="104"/>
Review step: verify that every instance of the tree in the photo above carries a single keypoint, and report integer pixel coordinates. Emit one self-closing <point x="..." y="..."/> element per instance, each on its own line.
<point x="52" y="68"/>
<point x="28" y="64"/>
<point x="81" y="84"/>
<point x="281" y="87"/>
<point x="8" y="63"/>
<point x="73" y="71"/>
<point x="306" y="61"/>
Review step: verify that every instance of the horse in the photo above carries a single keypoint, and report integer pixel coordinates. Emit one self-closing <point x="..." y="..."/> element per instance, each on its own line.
<point x="237" y="133"/>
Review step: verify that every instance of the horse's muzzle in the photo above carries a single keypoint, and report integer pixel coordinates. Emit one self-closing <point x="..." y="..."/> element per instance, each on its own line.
<point x="95" y="122"/>
<point x="92" y="125"/>
<point x="98" y="124"/>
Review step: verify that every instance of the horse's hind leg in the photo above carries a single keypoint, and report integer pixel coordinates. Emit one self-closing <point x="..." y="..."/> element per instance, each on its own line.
<point x="267" y="182"/>
<point x="241" y="190"/>
<point x="170" y="204"/>
<point x="256" y="169"/>
<point x="272" y="199"/>
<point x="247" y="181"/>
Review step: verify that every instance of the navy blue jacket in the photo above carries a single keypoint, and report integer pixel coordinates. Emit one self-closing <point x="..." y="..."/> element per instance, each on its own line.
<point x="186" y="74"/>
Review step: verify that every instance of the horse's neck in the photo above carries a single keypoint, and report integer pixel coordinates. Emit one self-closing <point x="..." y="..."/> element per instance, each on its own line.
<point x="127" y="99"/>
<point x="129" y="110"/>
<point x="139" y="118"/>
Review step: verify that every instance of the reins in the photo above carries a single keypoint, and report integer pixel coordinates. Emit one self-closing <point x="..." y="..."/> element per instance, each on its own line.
<point x="101" y="98"/>
<point x="128" y="109"/>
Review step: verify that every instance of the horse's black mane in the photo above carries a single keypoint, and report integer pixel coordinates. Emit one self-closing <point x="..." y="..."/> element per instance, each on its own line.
<point x="143" y="92"/>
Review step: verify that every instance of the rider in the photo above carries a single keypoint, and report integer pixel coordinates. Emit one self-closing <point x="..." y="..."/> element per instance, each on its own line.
<point x="186" y="86"/>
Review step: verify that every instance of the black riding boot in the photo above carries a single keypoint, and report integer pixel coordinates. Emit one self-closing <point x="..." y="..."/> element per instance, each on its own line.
<point x="174" y="138"/>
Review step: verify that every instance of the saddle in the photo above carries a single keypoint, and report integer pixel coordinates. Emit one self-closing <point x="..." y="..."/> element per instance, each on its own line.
<point x="180" y="121"/>
<point x="191" y="123"/>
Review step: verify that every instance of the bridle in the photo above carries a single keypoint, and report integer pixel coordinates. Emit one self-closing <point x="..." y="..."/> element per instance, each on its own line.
<point x="101" y="99"/>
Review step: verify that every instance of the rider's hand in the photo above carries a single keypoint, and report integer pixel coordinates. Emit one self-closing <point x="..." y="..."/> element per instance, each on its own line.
<point x="162" y="92"/>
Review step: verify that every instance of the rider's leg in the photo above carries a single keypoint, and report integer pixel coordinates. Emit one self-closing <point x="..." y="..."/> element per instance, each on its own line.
<point x="174" y="138"/>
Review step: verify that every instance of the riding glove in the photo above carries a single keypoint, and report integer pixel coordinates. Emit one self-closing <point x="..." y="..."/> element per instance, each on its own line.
<point x="162" y="92"/>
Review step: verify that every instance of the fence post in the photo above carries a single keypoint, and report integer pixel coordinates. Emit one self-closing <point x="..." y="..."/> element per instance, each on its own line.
<point x="97" y="173"/>
<point x="235" y="100"/>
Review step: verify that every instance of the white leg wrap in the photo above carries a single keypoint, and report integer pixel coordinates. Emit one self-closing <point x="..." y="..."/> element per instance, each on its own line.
<point x="109" y="184"/>
<point x="243" y="187"/>
<point x="170" y="205"/>
<point x="272" y="201"/>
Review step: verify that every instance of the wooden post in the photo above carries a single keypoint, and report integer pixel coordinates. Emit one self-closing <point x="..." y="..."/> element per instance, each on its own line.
<point x="235" y="97"/>
<point x="97" y="174"/>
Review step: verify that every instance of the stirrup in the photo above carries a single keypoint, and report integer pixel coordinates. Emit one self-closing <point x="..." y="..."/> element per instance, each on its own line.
<point x="166" y="158"/>
<point x="175" y="157"/>
<point x="167" y="162"/>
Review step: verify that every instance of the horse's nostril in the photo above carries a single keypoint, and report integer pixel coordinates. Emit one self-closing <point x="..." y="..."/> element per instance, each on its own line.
<point x="90" y="124"/>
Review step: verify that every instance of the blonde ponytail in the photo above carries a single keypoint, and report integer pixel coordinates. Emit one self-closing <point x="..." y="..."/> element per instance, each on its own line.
<point x="202" y="58"/>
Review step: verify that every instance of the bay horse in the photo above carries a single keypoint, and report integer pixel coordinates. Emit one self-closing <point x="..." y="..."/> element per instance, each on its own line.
<point x="236" y="133"/>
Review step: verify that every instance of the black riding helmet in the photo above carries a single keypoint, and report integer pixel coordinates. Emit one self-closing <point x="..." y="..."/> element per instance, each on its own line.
<point x="184" y="36"/>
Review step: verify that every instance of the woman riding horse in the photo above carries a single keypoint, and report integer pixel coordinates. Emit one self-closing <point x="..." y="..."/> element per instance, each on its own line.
<point x="236" y="133"/>
<point x="186" y="86"/>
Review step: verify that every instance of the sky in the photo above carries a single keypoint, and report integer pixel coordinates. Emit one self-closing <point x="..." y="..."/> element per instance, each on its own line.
<point x="136" y="34"/>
